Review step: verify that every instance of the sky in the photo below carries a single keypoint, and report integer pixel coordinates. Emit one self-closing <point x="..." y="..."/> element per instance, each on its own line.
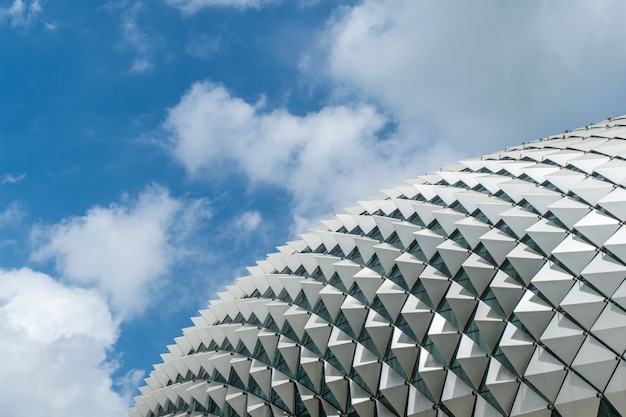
<point x="151" y="150"/>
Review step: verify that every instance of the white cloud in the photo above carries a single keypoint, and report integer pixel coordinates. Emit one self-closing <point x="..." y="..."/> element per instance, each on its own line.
<point x="449" y="80"/>
<point x="474" y="72"/>
<point x="54" y="341"/>
<point x="20" y="12"/>
<point x="136" y="38"/>
<point x="192" y="6"/>
<point x="324" y="159"/>
<point x="249" y="221"/>
<point x="124" y="250"/>
<point x="11" y="178"/>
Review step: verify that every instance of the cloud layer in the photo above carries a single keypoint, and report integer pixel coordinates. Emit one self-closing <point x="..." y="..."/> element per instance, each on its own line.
<point x="54" y="342"/>
<point x="324" y="159"/>
<point x="475" y="72"/>
<point x="124" y="250"/>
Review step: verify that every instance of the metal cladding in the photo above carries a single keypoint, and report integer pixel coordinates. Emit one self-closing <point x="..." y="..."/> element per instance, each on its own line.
<point x="491" y="288"/>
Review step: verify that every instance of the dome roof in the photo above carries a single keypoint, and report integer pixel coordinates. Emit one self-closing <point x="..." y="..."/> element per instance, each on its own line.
<point x="493" y="287"/>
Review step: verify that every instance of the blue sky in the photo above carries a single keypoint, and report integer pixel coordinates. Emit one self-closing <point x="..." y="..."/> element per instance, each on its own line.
<point x="150" y="151"/>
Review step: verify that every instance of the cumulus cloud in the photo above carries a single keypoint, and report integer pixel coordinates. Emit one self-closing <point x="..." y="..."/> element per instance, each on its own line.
<point x="447" y="80"/>
<point x="249" y="221"/>
<point x="473" y="73"/>
<point x="54" y="340"/>
<point x="124" y="250"/>
<point x="192" y="6"/>
<point x="324" y="159"/>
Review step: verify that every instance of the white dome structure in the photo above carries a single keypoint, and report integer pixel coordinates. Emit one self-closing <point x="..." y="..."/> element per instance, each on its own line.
<point x="495" y="287"/>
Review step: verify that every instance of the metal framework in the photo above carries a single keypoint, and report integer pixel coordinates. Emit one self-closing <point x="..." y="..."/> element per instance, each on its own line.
<point x="491" y="288"/>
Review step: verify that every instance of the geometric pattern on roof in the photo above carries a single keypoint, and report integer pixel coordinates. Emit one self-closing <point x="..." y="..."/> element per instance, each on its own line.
<point x="491" y="288"/>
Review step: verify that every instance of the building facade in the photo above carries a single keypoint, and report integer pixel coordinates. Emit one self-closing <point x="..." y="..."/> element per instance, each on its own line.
<point x="491" y="288"/>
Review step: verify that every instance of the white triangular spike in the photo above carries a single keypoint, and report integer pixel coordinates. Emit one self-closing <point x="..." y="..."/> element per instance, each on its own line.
<point x="595" y="363"/>
<point x="290" y="351"/>
<point x="435" y="283"/>
<point x="444" y="335"/>
<point x="362" y="401"/>
<point x="541" y="198"/>
<point x="546" y="373"/>
<point x="337" y="383"/>
<point x="569" y="211"/>
<point x="507" y="291"/>
<point x="526" y="262"/>
<point x="493" y="209"/>
<point x="498" y="244"/>
<point x="539" y="171"/>
<point x="368" y="282"/>
<point x="534" y="313"/>
<point x="529" y="404"/>
<point x="614" y="203"/>
<point x="297" y="317"/>
<point x="615" y="389"/>
<point x="516" y="188"/>
<point x="313" y="367"/>
<point x="392" y="297"/>
<point x="447" y="218"/>
<point x="385" y="225"/>
<point x="387" y="255"/>
<point x="614" y="170"/>
<point x="428" y="241"/>
<point x="588" y="162"/>
<point x="366" y="247"/>
<point x="490" y="324"/>
<point x="393" y="387"/>
<point x="368" y="366"/>
<point x="553" y="282"/>
<point x="410" y="268"/>
<point x="479" y="271"/>
<point x="583" y="304"/>
<point x="418" y="405"/>
<point x="610" y="328"/>
<point x="473" y="359"/>
<point x="519" y="220"/>
<point x="574" y="253"/>
<point x="462" y="303"/>
<point x="342" y="346"/>
<point x="565" y="179"/>
<point x="617" y="243"/>
<point x="591" y="190"/>
<point x="469" y="198"/>
<point x="472" y="229"/>
<point x="405" y="231"/>
<point x="517" y="346"/>
<point x="418" y="316"/>
<point x="346" y="270"/>
<point x="577" y="399"/>
<point x="546" y="235"/>
<point x="605" y="273"/>
<point x="285" y="388"/>
<point x="563" y="337"/>
<point x="432" y="372"/>
<point x="355" y="313"/>
<point x="405" y="351"/>
<point x="327" y="264"/>
<point x="502" y="384"/>
<point x="597" y="227"/>
<point x="453" y="255"/>
<point x="457" y="396"/>
<point x="332" y="298"/>
<point x="379" y="330"/>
